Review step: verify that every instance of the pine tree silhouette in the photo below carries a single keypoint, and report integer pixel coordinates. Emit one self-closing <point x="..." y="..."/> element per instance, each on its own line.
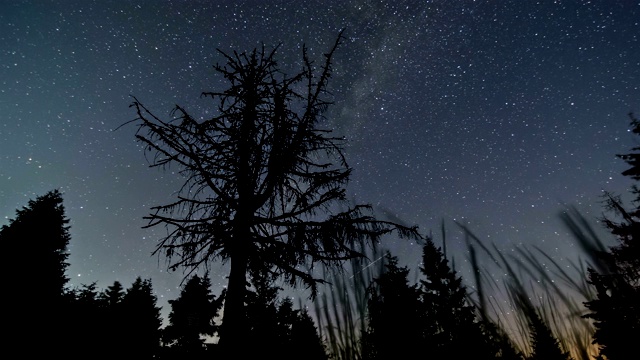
<point x="431" y="318"/>
<point x="544" y="346"/>
<point x="395" y="321"/>
<point x="304" y="335"/>
<point x="498" y="343"/>
<point x="87" y="319"/>
<point x="616" y="308"/>
<point x="113" y="295"/>
<point x="36" y="242"/>
<point x="113" y="321"/>
<point x="453" y="331"/>
<point x="192" y="318"/>
<point x="141" y="321"/>
<point x="276" y="329"/>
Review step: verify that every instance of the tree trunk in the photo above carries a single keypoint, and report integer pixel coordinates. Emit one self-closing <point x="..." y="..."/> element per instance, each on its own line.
<point x="234" y="331"/>
<point x="234" y="322"/>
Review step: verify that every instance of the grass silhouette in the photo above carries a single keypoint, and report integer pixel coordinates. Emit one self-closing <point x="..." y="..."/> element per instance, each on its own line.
<point x="534" y="284"/>
<point x="535" y="281"/>
<point x="341" y="309"/>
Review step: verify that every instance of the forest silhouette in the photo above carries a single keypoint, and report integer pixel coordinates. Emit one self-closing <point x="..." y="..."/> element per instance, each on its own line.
<point x="265" y="189"/>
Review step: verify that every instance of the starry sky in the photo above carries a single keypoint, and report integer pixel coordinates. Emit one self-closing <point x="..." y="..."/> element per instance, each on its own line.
<point x="489" y="113"/>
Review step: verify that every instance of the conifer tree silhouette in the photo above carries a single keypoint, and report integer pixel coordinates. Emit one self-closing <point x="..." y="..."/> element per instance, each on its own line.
<point x="113" y="295"/>
<point x="113" y="320"/>
<point x="544" y="345"/>
<point x="192" y="317"/>
<point x="38" y="300"/>
<point x="453" y="330"/>
<point x="141" y="321"/>
<point x="276" y="329"/>
<point x="264" y="181"/>
<point x="616" y="308"/>
<point x="498" y="342"/>
<point x="42" y="228"/>
<point x="395" y="318"/>
<point x="87" y="321"/>
<point x="304" y="335"/>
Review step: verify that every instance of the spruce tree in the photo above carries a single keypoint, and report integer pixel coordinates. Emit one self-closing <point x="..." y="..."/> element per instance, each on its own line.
<point x="141" y="321"/>
<point x="264" y="181"/>
<point x="276" y="329"/>
<point x="544" y="345"/>
<point x="304" y="335"/>
<point x="113" y="295"/>
<point x="40" y="233"/>
<point x="113" y="320"/>
<point x="453" y="331"/>
<point x="616" y="307"/>
<point x="498" y="342"/>
<point x="192" y="317"/>
<point x="267" y="331"/>
<point x="36" y="242"/>
<point x="395" y="321"/>
<point x="88" y="320"/>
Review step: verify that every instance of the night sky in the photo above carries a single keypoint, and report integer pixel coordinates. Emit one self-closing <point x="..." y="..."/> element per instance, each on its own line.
<point x="490" y="113"/>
